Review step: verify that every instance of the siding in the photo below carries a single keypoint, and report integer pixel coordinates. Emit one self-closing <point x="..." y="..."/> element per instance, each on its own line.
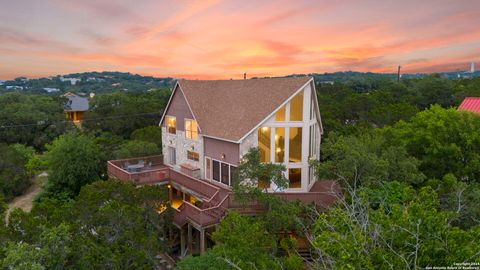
<point x="179" y="108"/>
<point x="215" y="148"/>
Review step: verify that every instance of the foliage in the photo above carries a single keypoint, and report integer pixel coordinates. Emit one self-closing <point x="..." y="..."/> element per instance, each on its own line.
<point x="136" y="148"/>
<point x="74" y="160"/>
<point x="36" y="119"/>
<point x="151" y="134"/>
<point x="242" y="243"/>
<point x="444" y="140"/>
<point x="15" y="174"/>
<point x="110" y="225"/>
<point x="409" y="233"/>
<point x="366" y="159"/>
<point x="122" y="113"/>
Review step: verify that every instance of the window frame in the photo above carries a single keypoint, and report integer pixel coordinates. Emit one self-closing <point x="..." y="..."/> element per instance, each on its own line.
<point x="167" y="124"/>
<point x="191" y="131"/>
<point x="189" y="152"/>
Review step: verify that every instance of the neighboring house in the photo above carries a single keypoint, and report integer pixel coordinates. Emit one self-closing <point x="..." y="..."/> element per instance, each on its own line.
<point x="72" y="81"/>
<point x="75" y="107"/>
<point x="471" y="104"/>
<point x="208" y="126"/>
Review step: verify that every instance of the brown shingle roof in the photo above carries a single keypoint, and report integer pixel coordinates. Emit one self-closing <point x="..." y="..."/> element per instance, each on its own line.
<point x="229" y="109"/>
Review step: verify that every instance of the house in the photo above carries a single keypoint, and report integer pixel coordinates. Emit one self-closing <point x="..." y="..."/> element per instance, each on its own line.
<point x="75" y="107"/>
<point x="470" y="104"/>
<point x="51" y="90"/>
<point x="208" y="126"/>
<point x="72" y="81"/>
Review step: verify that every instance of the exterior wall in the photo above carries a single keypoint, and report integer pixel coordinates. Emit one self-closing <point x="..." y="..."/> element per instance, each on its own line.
<point x="216" y="148"/>
<point x="179" y="108"/>
<point x="182" y="145"/>
<point x="252" y="139"/>
<point x="249" y="142"/>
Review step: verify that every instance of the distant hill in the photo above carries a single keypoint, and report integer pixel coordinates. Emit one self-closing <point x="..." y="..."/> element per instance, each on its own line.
<point x="87" y="82"/>
<point x="105" y="82"/>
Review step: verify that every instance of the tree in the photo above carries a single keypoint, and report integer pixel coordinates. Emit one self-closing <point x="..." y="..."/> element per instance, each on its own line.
<point x="136" y="148"/>
<point x="366" y="159"/>
<point x="443" y="140"/>
<point x="402" y="232"/>
<point x="151" y="134"/>
<point x="109" y="225"/>
<point x="15" y="175"/>
<point x="74" y="160"/>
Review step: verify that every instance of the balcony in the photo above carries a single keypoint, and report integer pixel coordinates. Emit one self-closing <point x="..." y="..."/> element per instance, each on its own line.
<point x="215" y="199"/>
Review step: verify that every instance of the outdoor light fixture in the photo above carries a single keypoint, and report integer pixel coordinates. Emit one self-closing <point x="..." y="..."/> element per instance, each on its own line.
<point x="223" y="156"/>
<point x="192" y="147"/>
<point x="168" y="186"/>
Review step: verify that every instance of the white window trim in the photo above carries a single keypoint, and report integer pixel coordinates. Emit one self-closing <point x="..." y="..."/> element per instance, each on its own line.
<point x="185" y="127"/>
<point x="220" y="171"/>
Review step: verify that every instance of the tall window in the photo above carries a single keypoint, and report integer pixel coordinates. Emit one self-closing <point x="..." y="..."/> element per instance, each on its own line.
<point x="225" y="174"/>
<point x="216" y="171"/>
<point x="296" y="108"/>
<point x="295" y="145"/>
<point x="264" y="144"/>
<point x="280" y="115"/>
<point x="280" y="145"/>
<point x="171" y="124"/>
<point x="191" y="129"/>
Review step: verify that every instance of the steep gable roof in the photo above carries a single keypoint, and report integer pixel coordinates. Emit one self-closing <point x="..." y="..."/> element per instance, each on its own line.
<point x="229" y="109"/>
<point x="471" y="104"/>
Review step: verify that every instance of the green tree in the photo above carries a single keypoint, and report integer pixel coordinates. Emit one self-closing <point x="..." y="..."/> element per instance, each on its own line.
<point x="136" y="148"/>
<point x="151" y="134"/>
<point x="74" y="160"/>
<point x="15" y="175"/>
<point x="444" y="140"/>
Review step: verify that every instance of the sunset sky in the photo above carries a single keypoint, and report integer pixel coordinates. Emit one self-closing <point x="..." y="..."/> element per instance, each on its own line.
<point x="212" y="39"/>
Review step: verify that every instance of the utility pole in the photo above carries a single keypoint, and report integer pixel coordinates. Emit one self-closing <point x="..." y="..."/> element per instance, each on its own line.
<point x="245" y="76"/>
<point x="398" y="74"/>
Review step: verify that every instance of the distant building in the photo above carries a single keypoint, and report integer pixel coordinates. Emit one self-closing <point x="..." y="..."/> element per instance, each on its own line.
<point x="470" y="104"/>
<point x="51" y="90"/>
<point x="2" y="82"/>
<point x="472" y="67"/>
<point x="75" y="107"/>
<point x="14" y="87"/>
<point x="73" y="81"/>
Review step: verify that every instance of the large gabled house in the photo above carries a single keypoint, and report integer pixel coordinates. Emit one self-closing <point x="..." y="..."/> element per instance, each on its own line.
<point x="208" y="126"/>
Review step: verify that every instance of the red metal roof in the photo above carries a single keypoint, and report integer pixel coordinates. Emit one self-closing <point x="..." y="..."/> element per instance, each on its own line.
<point x="471" y="104"/>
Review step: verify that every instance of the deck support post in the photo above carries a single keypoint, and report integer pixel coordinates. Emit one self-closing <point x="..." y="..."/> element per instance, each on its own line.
<point x="182" y="242"/>
<point x="189" y="238"/>
<point x="202" y="240"/>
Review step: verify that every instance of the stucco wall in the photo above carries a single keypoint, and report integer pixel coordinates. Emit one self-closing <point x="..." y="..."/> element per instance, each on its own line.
<point x="215" y="148"/>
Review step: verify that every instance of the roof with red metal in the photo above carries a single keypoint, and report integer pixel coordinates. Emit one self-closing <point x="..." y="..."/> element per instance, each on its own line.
<point x="471" y="104"/>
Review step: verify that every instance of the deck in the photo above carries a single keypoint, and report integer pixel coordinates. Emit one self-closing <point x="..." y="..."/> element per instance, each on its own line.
<point x="215" y="198"/>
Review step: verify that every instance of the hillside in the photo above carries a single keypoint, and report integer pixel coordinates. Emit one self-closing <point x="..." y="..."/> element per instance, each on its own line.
<point x="87" y="82"/>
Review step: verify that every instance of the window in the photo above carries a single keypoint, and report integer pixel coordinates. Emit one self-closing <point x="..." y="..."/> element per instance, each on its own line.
<point x="280" y="115"/>
<point x="216" y="170"/>
<point x="222" y="172"/>
<point x="296" y="108"/>
<point x="171" y="124"/>
<point x="193" y="155"/>
<point x="279" y="145"/>
<point x="295" y="178"/>
<point x="295" y="145"/>
<point x="191" y="129"/>
<point x="172" y="155"/>
<point x="264" y="144"/>
<point x="225" y="174"/>
<point x="208" y="167"/>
